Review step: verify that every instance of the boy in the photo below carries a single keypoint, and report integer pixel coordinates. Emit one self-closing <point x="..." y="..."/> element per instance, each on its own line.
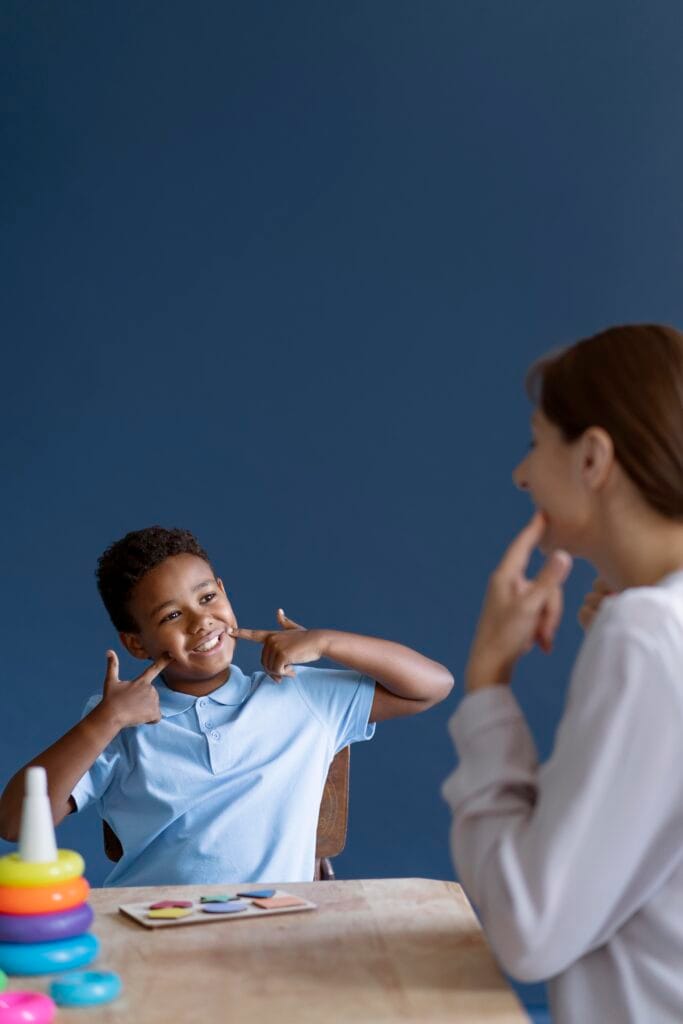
<point x="207" y="775"/>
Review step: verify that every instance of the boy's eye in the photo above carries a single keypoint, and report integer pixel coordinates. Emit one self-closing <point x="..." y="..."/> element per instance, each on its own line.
<point x="206" y="598"/>
<point x="171" y="615"/>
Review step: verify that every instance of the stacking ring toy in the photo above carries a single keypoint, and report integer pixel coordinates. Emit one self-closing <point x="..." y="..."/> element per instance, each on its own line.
<point x="65" y="924"/>
<point x="47" y="957"/>
<point x="85" y="988"/>
<point x="3" y="981"/>
<point x="22" y="1007"/>
<point x="17" y="872"/>
<point x="45" y="899"/>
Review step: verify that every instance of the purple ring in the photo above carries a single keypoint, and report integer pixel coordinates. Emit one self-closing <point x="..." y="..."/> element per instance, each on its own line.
<point x="64" y="924"/>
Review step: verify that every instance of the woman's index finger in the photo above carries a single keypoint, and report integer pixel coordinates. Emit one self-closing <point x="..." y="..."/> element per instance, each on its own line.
<point x="517" y="556"/>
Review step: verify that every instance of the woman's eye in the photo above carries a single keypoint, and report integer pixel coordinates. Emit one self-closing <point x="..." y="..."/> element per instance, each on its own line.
<point x="206" y="598"/>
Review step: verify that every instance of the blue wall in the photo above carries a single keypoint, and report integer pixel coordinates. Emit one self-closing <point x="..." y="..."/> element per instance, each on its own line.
<point x="274" y="272"/>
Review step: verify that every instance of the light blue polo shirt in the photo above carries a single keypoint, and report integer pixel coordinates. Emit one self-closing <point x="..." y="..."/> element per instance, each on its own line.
<point x="227" y="787"/>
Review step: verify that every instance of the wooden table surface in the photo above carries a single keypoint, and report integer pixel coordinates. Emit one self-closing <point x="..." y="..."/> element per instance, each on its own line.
<point x="407" y="950"/>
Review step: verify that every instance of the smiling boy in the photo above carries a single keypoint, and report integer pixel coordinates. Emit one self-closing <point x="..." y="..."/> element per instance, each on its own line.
<point x="205" y="774"/>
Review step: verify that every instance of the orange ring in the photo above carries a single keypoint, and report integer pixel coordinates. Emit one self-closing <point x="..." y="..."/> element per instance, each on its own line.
<point x="43" y="899"/>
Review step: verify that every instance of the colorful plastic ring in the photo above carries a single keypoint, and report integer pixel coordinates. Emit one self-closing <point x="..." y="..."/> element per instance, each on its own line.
<point x="47" y="957"/>
<point x="21" y="1007"/>
<point x="3" y="981"/>
<point x="22" y="873"/>
<point x="65" y="924"/>
<point x="44" y="899"/>
<point x="85" y="988"/>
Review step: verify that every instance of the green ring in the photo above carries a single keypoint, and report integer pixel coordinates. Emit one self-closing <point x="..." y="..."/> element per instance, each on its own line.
<point x="16" y="873"/>
<point x="3" y="981"/>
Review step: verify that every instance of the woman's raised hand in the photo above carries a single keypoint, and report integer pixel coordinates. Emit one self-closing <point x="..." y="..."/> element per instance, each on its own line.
<point x="592" y="601"/>
<point x="517" y="611"/>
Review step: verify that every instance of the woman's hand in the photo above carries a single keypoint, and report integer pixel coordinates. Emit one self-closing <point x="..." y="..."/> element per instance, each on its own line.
<point x="592" y="602"/>
<point x="517" y="611"/>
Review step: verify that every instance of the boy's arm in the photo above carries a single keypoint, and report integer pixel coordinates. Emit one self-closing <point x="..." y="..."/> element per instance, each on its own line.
<point x="67" y="760"/>
<point x="407" y="682"/>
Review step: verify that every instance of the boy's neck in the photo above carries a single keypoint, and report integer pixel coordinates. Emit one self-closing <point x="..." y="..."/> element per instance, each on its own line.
<point x="198" y="688"/>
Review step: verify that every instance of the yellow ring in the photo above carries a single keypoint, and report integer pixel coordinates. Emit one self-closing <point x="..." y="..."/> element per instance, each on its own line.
<point x="22" y="874"/>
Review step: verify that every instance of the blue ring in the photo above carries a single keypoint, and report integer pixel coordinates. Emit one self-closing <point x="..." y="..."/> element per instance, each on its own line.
<point x="85" y="988"/>
<point x="46" y="957"/>
<point x="62" y="924"/>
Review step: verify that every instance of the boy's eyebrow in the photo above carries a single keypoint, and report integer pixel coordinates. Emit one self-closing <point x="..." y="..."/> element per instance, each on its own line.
<point x="197" y="586"/>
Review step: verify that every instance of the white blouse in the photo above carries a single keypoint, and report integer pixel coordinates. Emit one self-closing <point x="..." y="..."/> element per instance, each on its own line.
<point x="576" y="866"/>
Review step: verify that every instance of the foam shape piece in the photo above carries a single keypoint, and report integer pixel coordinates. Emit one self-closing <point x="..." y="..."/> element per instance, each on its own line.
<point x="46" y="957"/>
<point x="3" y="981"/>
<point x="219" y="898"/>
<point x="278" y="902"/>
<point x="64" y="924"/>
<point x="16" y="873"/>
<point x="44" y="899"/>
<point x="229" y="907"/>
<point x="169" y="912"/>
<point x="85" y="988"/>
<point x="24" y="1007"/>
<point x="258" y="894"/>
<point x="165" y="904"/>
<point x="36" y="832"/>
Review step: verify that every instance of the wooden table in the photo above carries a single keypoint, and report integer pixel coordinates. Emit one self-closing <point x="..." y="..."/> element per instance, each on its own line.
<point x="407" y="950"/>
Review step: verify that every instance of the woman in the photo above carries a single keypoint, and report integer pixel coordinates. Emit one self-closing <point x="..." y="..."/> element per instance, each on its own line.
<point x="576" y="866"/>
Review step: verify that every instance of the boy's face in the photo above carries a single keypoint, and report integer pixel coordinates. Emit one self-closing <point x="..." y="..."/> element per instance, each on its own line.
<point x="182" y="609"/>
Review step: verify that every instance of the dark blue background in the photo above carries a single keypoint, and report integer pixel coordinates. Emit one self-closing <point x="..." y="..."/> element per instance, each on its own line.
<point x="274" y="272"/>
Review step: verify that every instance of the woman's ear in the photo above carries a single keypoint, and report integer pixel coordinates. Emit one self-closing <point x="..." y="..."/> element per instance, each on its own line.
<point x="133" y="644"/>
<point x="597" y="457"/>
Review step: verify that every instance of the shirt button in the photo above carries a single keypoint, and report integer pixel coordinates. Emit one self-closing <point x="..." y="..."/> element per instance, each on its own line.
<point x="201" y="702"/>
<point x="215" y="735"/>
<point x="207" y="725"/>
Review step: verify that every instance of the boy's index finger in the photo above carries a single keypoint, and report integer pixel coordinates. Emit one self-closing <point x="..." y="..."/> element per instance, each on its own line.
<point x="259" y="636"/>
<point x="150" y="674"/>
<point x="517" y="556"/>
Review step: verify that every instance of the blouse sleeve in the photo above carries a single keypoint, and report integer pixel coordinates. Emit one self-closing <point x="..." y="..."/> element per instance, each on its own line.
<point x="557" y="857"/>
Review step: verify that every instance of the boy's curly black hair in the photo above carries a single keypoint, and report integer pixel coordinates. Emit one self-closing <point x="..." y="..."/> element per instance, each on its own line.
<point x="126" y="561"/>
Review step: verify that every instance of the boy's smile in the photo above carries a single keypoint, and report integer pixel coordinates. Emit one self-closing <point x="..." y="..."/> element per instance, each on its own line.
<point x="182" y="609"/>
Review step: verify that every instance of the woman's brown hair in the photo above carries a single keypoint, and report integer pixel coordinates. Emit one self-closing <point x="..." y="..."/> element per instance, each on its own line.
<point x="629" y="381"/>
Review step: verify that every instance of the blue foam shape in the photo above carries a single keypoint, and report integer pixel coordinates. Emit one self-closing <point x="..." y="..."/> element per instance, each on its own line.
<point x="230" y="907"/>
<point x="47" y="957"/>
<point x="85" y="988"/>
<point x="258" y="894"/>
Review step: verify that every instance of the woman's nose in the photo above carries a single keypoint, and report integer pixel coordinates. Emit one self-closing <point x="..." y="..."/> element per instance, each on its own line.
<point x="519" y="477"/>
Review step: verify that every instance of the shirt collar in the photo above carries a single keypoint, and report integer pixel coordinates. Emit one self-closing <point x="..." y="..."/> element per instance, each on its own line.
<point x="231" y="694"/>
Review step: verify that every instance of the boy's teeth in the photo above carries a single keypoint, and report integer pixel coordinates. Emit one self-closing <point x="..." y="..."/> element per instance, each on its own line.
<point x="208" y="645"/>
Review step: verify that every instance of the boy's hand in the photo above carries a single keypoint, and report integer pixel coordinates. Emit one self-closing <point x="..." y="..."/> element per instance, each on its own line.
<point x="293" y="644"/>
<point x="135" y="702"/>
<point x="592" y="602"/>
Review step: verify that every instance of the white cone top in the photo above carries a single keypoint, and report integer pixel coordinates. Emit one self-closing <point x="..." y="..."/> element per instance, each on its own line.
<point x="37" y="833"/>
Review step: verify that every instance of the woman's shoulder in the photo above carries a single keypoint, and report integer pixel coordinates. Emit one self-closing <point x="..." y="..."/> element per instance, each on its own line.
<point x="654" y="614"/>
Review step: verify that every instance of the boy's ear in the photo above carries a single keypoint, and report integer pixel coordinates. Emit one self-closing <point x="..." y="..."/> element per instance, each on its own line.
<point x="132" y="643"/>
<point x="219" y="583"/>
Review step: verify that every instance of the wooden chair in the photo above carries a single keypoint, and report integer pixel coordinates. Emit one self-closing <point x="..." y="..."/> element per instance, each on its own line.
<point x="332" y="820"/>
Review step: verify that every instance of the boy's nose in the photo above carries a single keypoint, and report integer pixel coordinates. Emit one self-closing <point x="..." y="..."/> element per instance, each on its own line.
<point x="200" y="621"/>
